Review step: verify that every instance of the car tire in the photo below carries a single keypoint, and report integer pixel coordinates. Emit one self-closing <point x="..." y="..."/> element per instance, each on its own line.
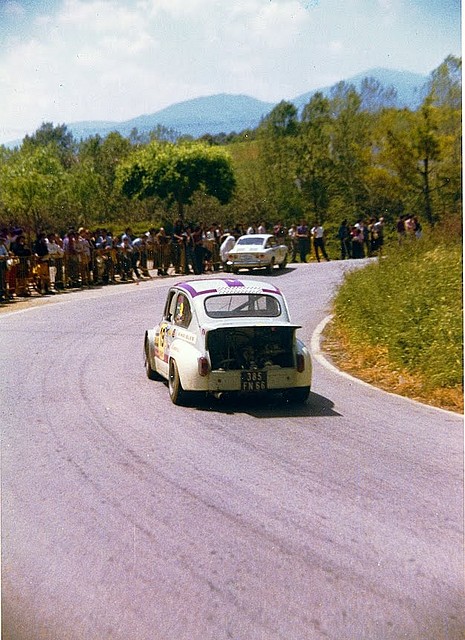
<point x="151" y="373"/>
<point x="298" y="395"/>
<point x="270" y="267"/>
<point x="283" y="263"/>
<point x="177" y="394"/>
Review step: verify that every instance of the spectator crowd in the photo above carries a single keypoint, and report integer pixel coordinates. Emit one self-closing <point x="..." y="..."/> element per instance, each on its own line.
<point x="83" y="258"/>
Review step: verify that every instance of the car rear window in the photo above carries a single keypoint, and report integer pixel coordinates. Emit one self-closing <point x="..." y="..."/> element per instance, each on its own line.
<point x="250" y="241"/>
<point x="242" y="305"/>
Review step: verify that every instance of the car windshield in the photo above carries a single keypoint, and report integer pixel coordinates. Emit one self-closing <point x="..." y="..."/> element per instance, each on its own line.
<point x="242" y="305"/>
<point x="250" y="241"/>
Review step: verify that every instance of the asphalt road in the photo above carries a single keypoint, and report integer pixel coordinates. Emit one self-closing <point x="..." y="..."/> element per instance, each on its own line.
<point x="124" y="517"/>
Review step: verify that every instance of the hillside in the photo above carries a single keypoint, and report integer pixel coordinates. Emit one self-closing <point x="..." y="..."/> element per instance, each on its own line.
<point x="210" y="114"/>
<point x="227" y="113"/>
<point x="409" y="87"/>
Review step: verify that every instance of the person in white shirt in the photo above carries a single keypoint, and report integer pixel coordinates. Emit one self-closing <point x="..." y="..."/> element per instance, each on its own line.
<point x="56" y="253"/>
<point x="83" y="251"/>
<point x="228" y="242"/>
<point x="292" y="240"/>
<point x="318" y="235"/>
<point x="125" y="251"/>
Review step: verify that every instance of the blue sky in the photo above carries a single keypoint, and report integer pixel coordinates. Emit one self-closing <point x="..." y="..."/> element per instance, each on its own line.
<point x="63" y="61"/>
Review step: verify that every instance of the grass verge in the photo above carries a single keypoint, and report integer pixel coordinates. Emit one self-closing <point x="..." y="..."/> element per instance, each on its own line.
<point x="398" y="323"/>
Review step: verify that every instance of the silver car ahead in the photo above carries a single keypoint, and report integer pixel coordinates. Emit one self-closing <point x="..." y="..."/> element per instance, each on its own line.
<point x="255" y="251"/>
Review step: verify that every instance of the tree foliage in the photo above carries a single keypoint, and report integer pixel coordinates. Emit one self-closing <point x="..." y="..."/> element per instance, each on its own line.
<point x="175" y="172"/>
<point x="315" y="168"/>
<point x="58" y="138"/>
<point x="351" y="153"/>
<point x="31" y="186"/>
<point x="445" y="85"/>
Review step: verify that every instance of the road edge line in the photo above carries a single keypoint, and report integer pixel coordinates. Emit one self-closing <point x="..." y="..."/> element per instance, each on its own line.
<point x="320" y="357"/>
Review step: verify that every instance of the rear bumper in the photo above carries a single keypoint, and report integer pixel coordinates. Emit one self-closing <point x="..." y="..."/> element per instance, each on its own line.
<point x="277" y="379"/>
<point x="248" y="264"/>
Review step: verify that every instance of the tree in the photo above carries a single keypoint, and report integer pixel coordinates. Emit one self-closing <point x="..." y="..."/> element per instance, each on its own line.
<point x="350" y="147"/>
<point x="31" y="186"/>
<point x="282" y="121"/>
<point x="445" y="85"/>
<point x="374" y="96"/>
<point x="278" y="139"/>
<point x="84" y="195"/>
<point x="100" y="157"/>
<point x="413" y="149"/>
<point x="314" y="168"/>
<point x="175" y="172"/>
<point x="426" y="145"/>
<point x="250" y="202"/>
<point x="59" y="138"/>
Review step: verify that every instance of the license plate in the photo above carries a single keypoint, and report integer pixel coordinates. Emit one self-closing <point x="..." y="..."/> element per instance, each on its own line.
<point x="253" y="381"/>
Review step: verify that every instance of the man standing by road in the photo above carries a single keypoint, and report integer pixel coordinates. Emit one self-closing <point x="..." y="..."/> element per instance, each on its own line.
<point x="318" y="234"/>
<point x="303" y="240"/>
<point x="4" y="254"/>
<point x="343" y="235"/>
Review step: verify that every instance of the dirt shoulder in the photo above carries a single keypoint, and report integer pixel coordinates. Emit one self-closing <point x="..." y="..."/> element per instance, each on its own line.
<point x="372" y="365"/>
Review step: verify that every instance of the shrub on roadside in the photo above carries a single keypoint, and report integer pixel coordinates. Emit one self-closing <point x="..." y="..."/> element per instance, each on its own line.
<point x="410" y="305"/>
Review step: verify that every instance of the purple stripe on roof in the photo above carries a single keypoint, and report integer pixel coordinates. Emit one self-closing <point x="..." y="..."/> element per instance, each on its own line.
<point x="205" y="291"/>
<point x="193" y="291"/>
<point x="228" y="282"/>
<point x="233" y="283"/>
<point x="187" y="287"/>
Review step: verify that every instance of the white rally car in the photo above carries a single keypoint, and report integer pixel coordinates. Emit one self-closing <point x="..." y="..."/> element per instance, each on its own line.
<point x="218" y="336"/>
<point x="257" y="250"/>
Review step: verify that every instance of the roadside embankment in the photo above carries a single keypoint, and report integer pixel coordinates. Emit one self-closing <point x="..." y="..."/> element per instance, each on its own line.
<point x="398" y="323"/>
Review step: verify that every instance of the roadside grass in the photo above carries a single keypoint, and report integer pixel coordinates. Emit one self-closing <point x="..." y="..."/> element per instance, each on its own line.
<point x="398" y="322"/>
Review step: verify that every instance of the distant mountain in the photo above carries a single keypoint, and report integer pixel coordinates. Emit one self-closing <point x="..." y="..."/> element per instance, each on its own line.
<point x="226" y="113"/>
<point x="222" y="113"/>
<point x="410" y="87"/>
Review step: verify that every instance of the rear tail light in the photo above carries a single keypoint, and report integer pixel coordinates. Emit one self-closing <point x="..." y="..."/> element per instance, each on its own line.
<point x="203" y="365"/>
<point x="300" y="363"/>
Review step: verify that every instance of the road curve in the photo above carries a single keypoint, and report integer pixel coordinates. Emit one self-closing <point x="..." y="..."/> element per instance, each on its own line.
<point x="126" y="518"/>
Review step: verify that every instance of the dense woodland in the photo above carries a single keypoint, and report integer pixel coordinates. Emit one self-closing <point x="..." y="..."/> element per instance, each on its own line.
<point x="343" y="156"/>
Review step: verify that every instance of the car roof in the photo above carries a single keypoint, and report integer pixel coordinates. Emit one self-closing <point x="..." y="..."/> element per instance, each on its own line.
<point x="209" y="286"/>
<point x="258" y="236"/>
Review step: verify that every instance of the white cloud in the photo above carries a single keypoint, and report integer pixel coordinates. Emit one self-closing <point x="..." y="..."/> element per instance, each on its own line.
<point x="116" y="59"/>
<point x="178" y="9"/>
<point x="335" y="46"/>
<point x="278" y="24"/>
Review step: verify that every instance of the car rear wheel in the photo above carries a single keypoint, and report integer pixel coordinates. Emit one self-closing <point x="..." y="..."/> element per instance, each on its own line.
<point x="283" y="263"/>
<point x="177" y="394"/>
<point x="270" y="267"/>
<point x="151" y="373"/>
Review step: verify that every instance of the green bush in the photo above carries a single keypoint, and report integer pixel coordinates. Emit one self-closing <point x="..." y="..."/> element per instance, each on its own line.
<point x="411" y="304"/>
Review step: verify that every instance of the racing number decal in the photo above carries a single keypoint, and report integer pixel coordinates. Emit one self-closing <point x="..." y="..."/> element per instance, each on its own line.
<point x="162" y="341"/>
